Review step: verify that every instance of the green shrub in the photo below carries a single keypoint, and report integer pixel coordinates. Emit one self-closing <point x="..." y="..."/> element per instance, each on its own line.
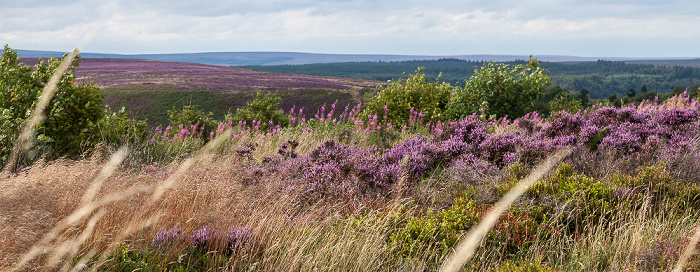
<point x="511" y="266"/>
<point x="117" y="129"/>
<point x="441" y="229"/>
<point x="415" y="92"/>
<point x="144" y="258"/>
<point x="499" y="90"/>
<point x="264" y="108"/>
<point x="72" y="115"/>
<point x="193" y="119"/>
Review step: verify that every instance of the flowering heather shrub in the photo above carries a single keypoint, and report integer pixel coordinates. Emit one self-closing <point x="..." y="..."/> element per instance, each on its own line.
<point x="202" y="237"/>
<point x="235" y="239"/>
<point x="343" y="170"/>
<point x="239" y="237"/>
<point x="166" y="237"/>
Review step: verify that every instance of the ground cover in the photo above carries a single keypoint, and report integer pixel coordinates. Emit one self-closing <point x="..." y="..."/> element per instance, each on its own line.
<point x="342" y="194"/>
<point x="360" y="189"/>
<point x="148" y="89"/>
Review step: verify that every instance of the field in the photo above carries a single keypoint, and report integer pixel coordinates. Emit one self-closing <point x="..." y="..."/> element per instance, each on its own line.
<point x="148" y="89"/>
<point x="596" y="189"/>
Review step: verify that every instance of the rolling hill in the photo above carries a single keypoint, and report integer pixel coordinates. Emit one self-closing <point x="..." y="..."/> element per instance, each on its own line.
<point x="148" y="88"/>
<point x="284" y="58"/>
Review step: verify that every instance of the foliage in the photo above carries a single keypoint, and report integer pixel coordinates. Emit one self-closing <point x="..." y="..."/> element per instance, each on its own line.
<point x="271" y="198"/>
<point x="404" y="95"/>
<point x="564" y="102"/>
<point x="263" y="109"/>
<point x="72" y="115"/>
<point x="192" y="119"/>
<point x="511" y="266"/>
<point x="499" y="90"/>
<point x="441" y="229"/>
<point x="601" y="78"/>
<point x="116" y="128"/>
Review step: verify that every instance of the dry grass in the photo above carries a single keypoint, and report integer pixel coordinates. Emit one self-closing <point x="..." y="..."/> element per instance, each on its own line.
<point x="466" y="249"/>
<point x="46" y="222"/>
<point x="58" y="213"/>
<point x="71" y="215"/>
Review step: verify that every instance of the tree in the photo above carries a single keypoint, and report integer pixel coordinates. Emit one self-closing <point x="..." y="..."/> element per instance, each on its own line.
<point x="677" y="90"/>
<point x="500" y="90"/>
<point x="544" y="103"/>
<point x="582" y="97"/>
<point x="72" y="115"/>
<point x="565" y="102"/>
<point x="415" y="92"/>
<point x="631" y="93"/>
<point x="264" y="108"/>
<point x="644" y="88"/>
<point x="190" y="117"/>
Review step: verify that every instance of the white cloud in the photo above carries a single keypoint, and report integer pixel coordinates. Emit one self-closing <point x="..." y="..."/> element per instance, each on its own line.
<point x="400" y="27"/>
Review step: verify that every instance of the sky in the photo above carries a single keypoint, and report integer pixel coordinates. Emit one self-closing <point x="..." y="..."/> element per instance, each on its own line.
<point x="586" y="28"/>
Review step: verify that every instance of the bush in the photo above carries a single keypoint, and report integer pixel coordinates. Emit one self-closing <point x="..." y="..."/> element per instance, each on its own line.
<point x="72" y="115"/>
<point x="397" y="100"/>
<point x="499" y="90"/>
<point x="191" y="119"/>
<point x="265" y="109"/>
<point x="441" y="229"/>
<point x="117" y="129"/>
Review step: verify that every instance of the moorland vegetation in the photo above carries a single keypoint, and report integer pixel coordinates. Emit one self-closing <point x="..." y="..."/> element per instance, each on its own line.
<point x="390" y="184"/>
<point x="599" y="78"/>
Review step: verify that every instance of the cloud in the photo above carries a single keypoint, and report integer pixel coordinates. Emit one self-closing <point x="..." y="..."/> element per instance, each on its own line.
<point x="345" y="26"/>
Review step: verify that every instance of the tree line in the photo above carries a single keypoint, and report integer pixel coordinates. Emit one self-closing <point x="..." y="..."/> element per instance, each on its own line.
<point x="600" y="78"/>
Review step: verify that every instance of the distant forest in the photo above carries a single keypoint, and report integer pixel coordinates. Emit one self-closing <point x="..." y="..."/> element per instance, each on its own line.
<point x="600" y="78"/>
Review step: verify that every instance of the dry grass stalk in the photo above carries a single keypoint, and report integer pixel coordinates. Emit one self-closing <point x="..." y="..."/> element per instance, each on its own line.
<point x="59" y="247"/>
<point x="467" y="247"/>
<point x="689" y="250"/>
<point x="87" y="207"/>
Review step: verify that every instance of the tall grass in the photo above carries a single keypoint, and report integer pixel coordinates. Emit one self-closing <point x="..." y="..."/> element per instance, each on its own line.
<point x="209" y="208"/>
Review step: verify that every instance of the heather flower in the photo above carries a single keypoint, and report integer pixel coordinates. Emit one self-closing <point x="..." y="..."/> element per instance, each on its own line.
<point x="166" y="237"/>
<point x="239" y="237"/>
<point x="202" y="237"/>
<point x="244" y="151"/>
<point x="293" y="143"/>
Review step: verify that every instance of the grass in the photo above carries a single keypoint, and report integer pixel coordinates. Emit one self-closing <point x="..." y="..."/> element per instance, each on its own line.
<point x="113" y="225"/>
<point x="153" y="104"/>
<point x="213" y="207"/>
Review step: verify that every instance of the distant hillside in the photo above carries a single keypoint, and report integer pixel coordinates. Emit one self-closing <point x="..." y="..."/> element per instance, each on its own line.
<point x="149" y="88"/>
<point x="282" y="58"/>
<point x="670" y="63"/>
<point x="600" y="78"/>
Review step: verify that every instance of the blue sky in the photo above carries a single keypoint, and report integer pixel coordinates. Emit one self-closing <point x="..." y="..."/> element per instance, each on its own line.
<point x="593" y="28"/>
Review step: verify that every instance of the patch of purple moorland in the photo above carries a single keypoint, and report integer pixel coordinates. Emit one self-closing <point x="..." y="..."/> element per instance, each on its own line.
<point x="189" y="76"/>
<point x="337" y="169"/>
